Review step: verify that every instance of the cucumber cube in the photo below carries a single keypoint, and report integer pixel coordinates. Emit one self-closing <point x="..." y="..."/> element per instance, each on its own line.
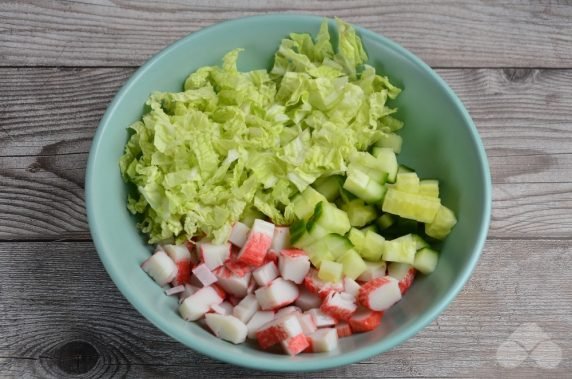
<point x="359" y="213"/>
<point x="392" y="141"/>
<point x="401" y="249"/>
<point x="363" y="187"/>
<point x="329" y="186"/>
<point x="304" y="204"/>
<point x="407" y="182"/>
<point x="420" y="243"/>
<point x="412" y="206"/>
<point x="330" y="271"/>
<point x="329" y="217"/>
<point x="353" y="264"/>
<point x="442" y="224"/>
<point x="357" y="238"/>
<point x="367" y="163"/>
<point x="385" y="221"/>
<point x="426" y="260"/>
<point x="373" y="246"/>
<point x="334" y="244"/>
<point x="388" y="162"/>
<point x="429" y="187"/>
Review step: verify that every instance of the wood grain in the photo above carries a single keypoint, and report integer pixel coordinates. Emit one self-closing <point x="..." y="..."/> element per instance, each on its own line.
<point x="443" y="33"/>
<point x="71" y="298"/>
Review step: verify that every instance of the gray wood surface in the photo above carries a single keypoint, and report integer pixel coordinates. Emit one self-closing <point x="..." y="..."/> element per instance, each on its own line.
<point x="61" y="63"/>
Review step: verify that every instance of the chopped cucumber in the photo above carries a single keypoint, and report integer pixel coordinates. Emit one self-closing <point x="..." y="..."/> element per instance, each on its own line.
<point x="367" y="163"/>
<point x="363" y="187"/>
<point x="297" y="230"/>
<point x="429" y="187"/>
<point x="330" y="271"/>
<point x="407" y="182"/>
<point x="329" y="186"/>
<point x="412" y="206"/>
<point x="426" y="260"/>
<point x="373" y="246"/>
<point x="401" y="249"/>
<point x="359" y="213"/>
<point x="392" y="141"/>
<point x="353" y="264"/>
<point x="442" y="224"/>
<point x="357" y="238"/>
<point x="388" y="162"/>
<point x="420" y="243"/>
<point x="304" y="204"/>
<point x="333" y="244"/>
<point x="329" y="217"/>
<point x="317" y="258"/>
<point x="385" y="221"/>
<point x="371" y="227"/>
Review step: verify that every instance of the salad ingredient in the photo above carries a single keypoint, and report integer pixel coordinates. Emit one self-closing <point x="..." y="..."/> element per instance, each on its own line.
<point x="227" y="327"/>
<point x="379" y="294"/>
<point x="238" y="145"/>
<point x="160" y="267"/>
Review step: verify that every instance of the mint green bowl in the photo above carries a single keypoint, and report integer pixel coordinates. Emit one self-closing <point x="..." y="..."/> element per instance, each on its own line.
<point x="441" y="142"/>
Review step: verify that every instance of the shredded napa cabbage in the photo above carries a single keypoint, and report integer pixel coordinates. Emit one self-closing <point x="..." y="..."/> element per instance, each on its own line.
<point x="236" y="142"/>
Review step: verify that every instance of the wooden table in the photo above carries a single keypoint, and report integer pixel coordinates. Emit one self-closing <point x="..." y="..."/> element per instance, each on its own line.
<point x="61" y="62"/>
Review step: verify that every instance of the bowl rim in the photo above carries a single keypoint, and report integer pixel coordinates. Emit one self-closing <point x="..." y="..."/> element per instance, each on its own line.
<point x="323" y="361"/>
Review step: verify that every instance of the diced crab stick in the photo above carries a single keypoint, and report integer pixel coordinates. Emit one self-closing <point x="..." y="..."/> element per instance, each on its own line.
<point x="294" y="265"/>
<point x="318" y="286"/>
<point x="323" y="340"/>
<point x="257" y="244"/>
<point x="351" y="286"/>
<point x="259" y="319"/>
<point x="213" y="255"/>
<point x="233" y="284"/>
<point x="199" y="303"/>
<point x="237" y="267"/>
<point x="343" y="329"/>
<point x="182" y="258"/>
<point x="272" y="256"/>
<point x="265" y="274"/>
<point x="278" y="294"/>
<point x="160" y="267"/>
<point x="224" y="308"/>
<point x="281" y="238"/>
<point x="295" y="345"/>
<point x="287" y="310"/>
<point x="379" y="294"/>
<point x="251" y="286"/>
<point x="189" y="290"/>
<point x="278" y="330"/>
<point x="364" y="320"/>
<point x="246" y="308"/>
<point x="373" y="270"/>
<point x="320" y="318"/>
<point x="404" y="273"/>
<point x="338" y="306"/>
<point x="204" y="275"/>
<point x="307" y="323"/>
<point x="174" y="290"/>
<point x="227" y="327"/>
<point x="307" y="300"/>
<point x="239" y="234"/>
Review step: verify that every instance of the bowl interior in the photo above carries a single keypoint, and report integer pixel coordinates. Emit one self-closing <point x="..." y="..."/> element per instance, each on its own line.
<point x="440" y="142"/>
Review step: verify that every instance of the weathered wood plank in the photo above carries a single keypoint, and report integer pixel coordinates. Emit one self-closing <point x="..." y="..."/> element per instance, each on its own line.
<point x="443" y="33"/>
<point x="71" y="298"/>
